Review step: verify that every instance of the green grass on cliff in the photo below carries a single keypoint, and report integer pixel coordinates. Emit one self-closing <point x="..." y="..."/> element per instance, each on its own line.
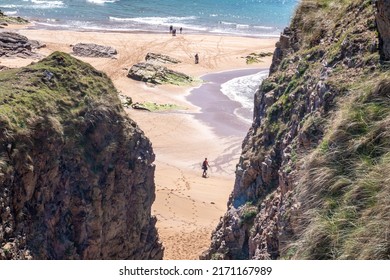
<point x="345" y="187"/>
<point x="58" y="85"/>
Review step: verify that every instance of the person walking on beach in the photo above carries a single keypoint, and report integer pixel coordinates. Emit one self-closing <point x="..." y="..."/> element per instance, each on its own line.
<point x="170" y="29"/>
<point x="196" y="58"/>
<point x="205" y="166"/>
<point x="181" y="30"/>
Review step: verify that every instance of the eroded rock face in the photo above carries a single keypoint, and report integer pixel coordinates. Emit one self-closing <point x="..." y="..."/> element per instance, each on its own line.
<point x="94" y="50"/>
<point x="16" y="45"/>
<point x="157" y="74"/>
<point x="383" y="24"/>
<point x="291" y="109"/>
<point x="76" y="174"/>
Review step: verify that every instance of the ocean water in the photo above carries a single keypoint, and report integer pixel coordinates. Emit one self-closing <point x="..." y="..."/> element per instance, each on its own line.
<point x="242" y="89"/>
<point x="239" y="17"/>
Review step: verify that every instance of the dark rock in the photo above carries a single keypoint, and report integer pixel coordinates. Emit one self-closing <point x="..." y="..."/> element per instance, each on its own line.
<point x="139" y="106"/>
<point x="2" y="68"/>
<point x="160" y="58"/>
<point x="16" y="45"/>
<point x="157" y="74"/>
<point x="93" y="50"/>
<point x="36" y="44"/>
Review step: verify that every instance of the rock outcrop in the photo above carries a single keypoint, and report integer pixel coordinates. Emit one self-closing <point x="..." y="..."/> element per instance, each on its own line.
<point x="383" y="23"/>
<point x="76" y="174"/>
<point x="5" y="20"/>
<point x="16" y="45"/>
<point x="157" y="74"/>
<point x="310" y="180"/>
<point x="160" y="58"/>
<point x="94" y="50"/>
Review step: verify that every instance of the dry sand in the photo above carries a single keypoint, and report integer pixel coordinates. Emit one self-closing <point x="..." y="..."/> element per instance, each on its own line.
<point x="188" y="207"/>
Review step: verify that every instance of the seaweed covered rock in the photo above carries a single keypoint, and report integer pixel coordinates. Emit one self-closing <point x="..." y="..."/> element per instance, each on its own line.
<point x="157" y="74"/>
<point x="76" y="174"/>
<point x="5" y="20"/>
<point x="161" y="58"/>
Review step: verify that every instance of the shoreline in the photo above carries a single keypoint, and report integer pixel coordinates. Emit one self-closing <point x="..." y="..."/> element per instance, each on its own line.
<point x="42" y="26"/>
<point x="188" y="207"/>
<point x="217" y="110"/>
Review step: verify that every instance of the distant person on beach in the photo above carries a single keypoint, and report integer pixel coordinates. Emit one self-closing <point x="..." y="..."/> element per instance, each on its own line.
<point x="170" y="29"/>
<point x="205" y="166"/>
<point x="181" y="30"/>
<point x="174" y="32"/>
<point x="196" y="59"/>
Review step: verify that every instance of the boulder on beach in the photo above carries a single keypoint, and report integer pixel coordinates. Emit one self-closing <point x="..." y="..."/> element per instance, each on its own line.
<point x="161" y="58"/>
<point x="94" y="50"/>
<point x="15" y="45"/>
<point x="157" y="74"/>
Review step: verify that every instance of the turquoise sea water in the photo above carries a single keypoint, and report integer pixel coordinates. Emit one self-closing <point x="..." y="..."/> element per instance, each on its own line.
<point x="241" y="17"/>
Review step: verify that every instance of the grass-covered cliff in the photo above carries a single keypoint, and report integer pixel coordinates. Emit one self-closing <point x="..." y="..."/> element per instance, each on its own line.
<point x="76" y="174"/>
<point x="313" y="180"/>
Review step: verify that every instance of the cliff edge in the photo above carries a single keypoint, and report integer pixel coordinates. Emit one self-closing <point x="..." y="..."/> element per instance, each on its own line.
<point x="312" y="180"/>
<point x="76" y="174"/>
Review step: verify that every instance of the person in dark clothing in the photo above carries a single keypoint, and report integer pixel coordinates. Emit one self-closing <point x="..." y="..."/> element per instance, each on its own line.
<point x="170" y="29"/>
<point x="196" y="59"/>
<point x="205" y="166"/>
<point x="181" y="30"/>
<point x="174" y="32"/>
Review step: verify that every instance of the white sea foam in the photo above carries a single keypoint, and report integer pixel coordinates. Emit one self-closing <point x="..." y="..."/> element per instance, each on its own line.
<point x="155" y="20"/>
<point x="51" y="24"/>
<point x="227" y="23"/>
<point x="263" y="27"/>
<point x="46" y="4"/>
<point x="101" y="2"/>
<point x="244" y="32"/>
<point x="11" y="6"/>
<point x="242" y="26"/>
<point x="11" y="13"/>
<point x="184" y="22"/>
<point x="242" y="89"/>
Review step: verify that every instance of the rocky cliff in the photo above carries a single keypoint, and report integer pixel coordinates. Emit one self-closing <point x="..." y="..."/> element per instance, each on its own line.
<point x="76" y="174"/>
<point x="312" y="180"/>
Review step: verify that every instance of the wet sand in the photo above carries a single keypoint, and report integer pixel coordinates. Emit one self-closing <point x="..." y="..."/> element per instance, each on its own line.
<point x="217" y="110"/>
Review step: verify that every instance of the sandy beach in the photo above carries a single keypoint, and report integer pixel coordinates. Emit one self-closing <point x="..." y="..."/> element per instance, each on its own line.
<point x="188" y="207"/>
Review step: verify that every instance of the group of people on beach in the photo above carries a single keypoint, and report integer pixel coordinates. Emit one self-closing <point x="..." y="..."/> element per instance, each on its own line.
<point x="173" y="30"/>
